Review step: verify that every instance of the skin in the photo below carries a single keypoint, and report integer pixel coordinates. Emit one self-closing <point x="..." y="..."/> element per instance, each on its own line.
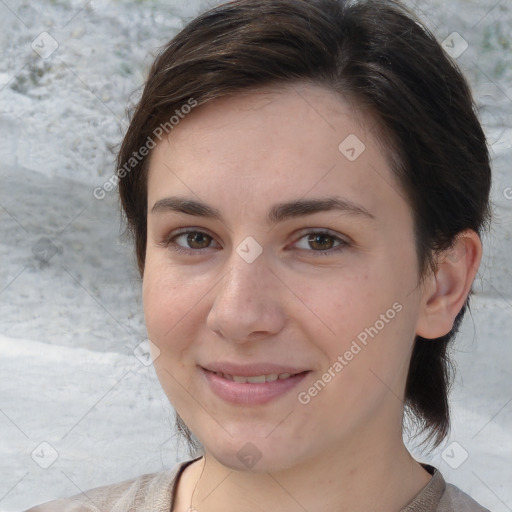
<point x="291" y="305"/>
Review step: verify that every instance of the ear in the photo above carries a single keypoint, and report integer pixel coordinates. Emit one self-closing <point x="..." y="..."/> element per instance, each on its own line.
<point x="446" y="290"/>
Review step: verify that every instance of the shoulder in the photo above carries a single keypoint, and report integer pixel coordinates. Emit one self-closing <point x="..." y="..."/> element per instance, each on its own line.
<point x="455" y="500"/>
<point x="151" y="491"/>
<point x="438" y="496"/>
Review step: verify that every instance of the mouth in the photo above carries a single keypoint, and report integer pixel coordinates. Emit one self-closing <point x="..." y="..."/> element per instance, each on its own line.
<point x="256" y="389"/>
<point x="257" y="379"/>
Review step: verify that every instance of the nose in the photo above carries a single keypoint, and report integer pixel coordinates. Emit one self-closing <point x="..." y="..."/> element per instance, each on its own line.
<point x="247" y="304"/>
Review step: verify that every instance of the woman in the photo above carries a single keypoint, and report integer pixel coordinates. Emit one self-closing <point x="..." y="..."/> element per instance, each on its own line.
<point x="306" y="183"/>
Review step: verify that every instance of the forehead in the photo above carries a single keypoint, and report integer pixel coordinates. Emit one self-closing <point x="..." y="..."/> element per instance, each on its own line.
<point x="253" y="147"/>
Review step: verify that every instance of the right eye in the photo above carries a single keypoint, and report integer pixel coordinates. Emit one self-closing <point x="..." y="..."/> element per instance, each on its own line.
<point x="192" y="242"/>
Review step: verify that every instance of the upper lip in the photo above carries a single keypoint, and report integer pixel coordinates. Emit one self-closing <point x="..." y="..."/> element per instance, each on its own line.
<point x="252" y="370"/>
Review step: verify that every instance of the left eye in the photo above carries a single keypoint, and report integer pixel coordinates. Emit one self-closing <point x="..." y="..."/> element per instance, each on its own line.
<point x="322" y="242"/>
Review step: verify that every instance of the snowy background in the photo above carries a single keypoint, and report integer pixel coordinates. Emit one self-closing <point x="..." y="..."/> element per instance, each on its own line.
<point x="80" y="405"/>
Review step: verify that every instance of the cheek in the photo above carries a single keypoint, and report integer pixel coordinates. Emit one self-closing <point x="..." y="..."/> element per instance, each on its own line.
<point x="167" y="306"/>
<point x="167" y="300"/>
<point x="373" y="307"/>
<point x="346" y="301"/>
<point x="158" y="314"/>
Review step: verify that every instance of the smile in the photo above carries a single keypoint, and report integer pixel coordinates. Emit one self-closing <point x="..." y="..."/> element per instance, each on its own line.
<point x="256" y="379"/>
<point x="251" y="390"/>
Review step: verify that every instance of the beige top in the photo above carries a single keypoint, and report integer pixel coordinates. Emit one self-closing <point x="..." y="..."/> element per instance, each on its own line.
<point x="154" y="493"/>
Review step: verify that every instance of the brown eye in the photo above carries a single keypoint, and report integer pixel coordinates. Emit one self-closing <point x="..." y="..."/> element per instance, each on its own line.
<point x="321" y="241"/>
<point x="198" y="240"/>
<point x="188" y="242"/>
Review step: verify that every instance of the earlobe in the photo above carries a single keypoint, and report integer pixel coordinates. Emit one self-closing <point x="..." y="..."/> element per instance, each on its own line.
<point x="448" y="287"/>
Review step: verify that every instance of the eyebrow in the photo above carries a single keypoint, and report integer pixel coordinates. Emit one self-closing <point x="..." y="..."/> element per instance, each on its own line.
<point x="277" y="213"/>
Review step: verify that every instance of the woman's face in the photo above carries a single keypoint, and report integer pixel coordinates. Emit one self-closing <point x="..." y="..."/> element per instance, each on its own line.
<point x="280" y="243"/>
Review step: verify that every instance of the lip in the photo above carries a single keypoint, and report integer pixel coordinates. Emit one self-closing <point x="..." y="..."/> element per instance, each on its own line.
<point x="251" y="370"/>
<point x="247" y="393"/>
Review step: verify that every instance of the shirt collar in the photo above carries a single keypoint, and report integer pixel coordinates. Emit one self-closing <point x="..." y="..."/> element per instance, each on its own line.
<point x="429" y="497"/>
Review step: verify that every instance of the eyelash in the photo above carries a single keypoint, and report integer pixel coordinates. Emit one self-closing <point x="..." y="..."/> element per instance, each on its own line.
<point x="168" y="241"/>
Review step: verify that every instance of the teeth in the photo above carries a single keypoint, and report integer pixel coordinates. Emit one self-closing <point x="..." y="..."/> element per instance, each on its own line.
<point x="257" y="379"/>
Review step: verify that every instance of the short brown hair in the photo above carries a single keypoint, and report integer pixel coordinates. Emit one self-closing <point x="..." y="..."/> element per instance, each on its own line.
<point x="377" y="54"/>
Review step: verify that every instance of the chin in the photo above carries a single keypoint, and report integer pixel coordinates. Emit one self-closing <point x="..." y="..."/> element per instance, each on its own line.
<point x="252" y="454"/>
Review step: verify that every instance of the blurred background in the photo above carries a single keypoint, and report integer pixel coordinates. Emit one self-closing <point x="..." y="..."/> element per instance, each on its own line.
<point x="80" y="405"/>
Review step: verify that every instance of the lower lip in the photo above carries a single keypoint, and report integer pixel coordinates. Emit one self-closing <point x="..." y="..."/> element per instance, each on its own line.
<point x="247" y="393"/>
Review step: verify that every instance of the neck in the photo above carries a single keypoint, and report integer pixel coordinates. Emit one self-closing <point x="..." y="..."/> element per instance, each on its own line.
<point x="362" y="477"/>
